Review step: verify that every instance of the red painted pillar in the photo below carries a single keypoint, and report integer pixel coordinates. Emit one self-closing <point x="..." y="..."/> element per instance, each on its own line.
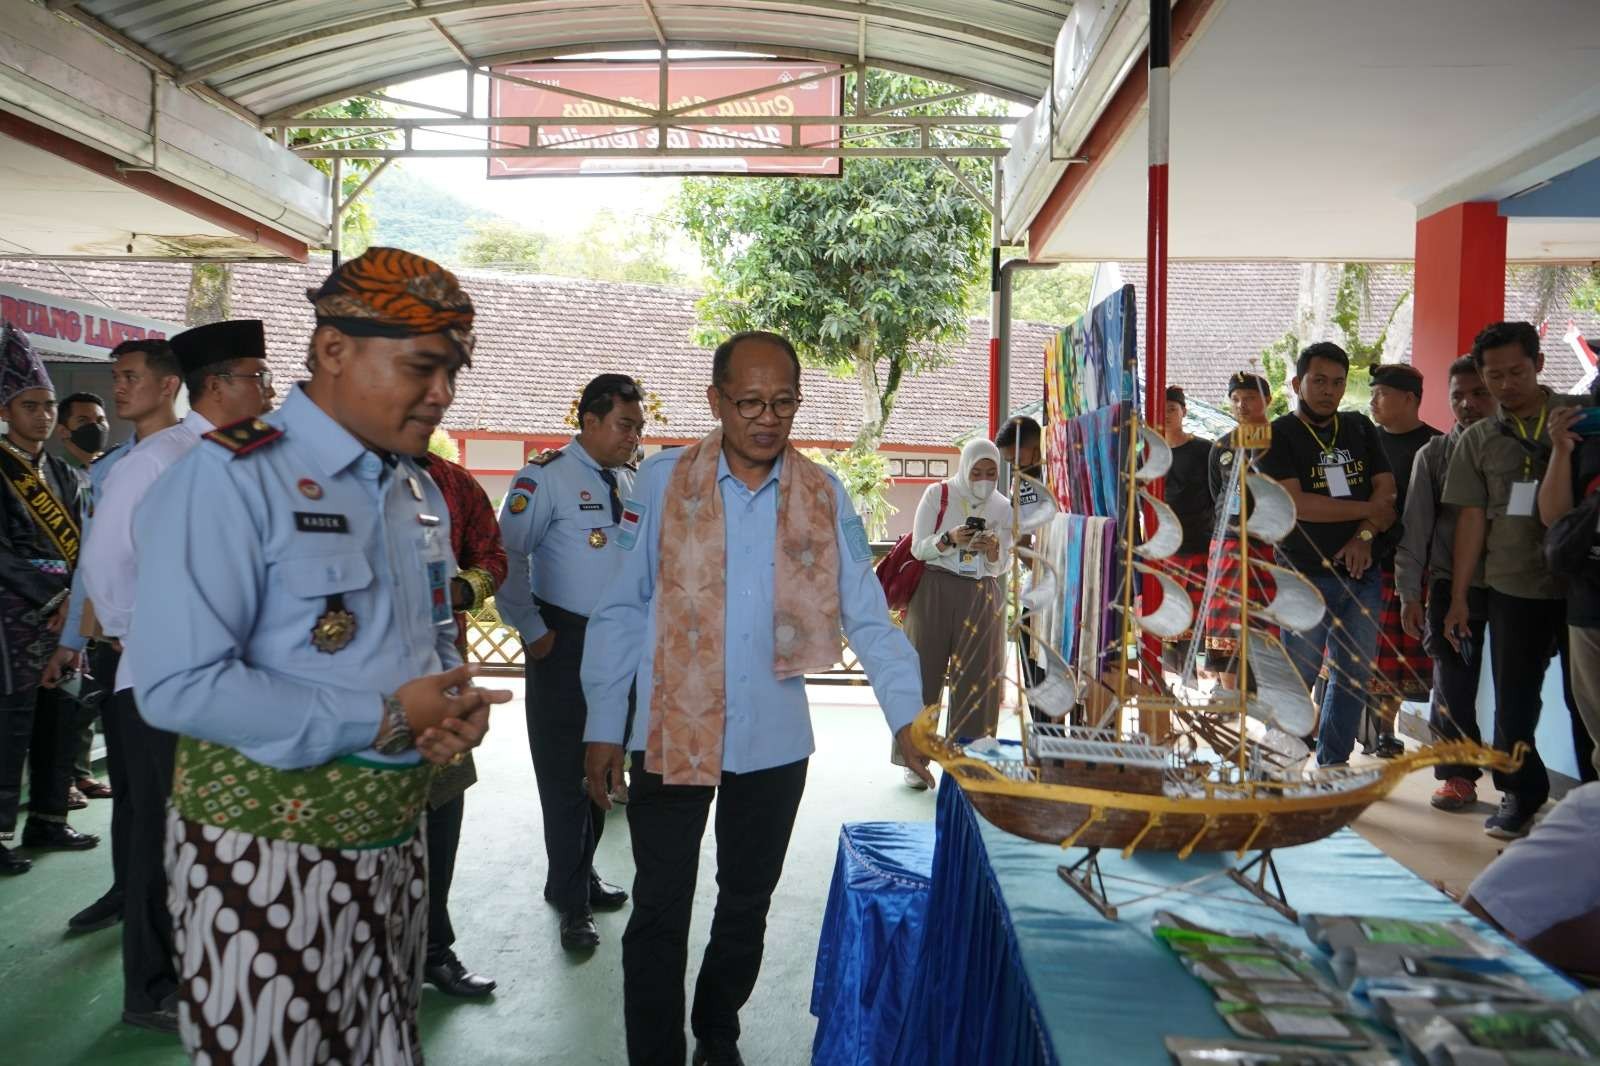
<point x="1461" y="287"/>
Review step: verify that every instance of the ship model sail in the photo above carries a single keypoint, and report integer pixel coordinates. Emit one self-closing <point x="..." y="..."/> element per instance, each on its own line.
<point x="1118" y="753"/>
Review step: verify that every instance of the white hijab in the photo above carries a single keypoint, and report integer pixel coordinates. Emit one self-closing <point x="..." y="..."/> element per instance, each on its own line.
<point x="961" y="485"/>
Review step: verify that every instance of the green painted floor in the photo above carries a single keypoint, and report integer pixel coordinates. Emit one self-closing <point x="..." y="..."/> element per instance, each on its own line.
<point x="60" y="996"/>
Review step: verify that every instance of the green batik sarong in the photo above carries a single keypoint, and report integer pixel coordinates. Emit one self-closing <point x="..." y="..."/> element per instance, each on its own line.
<point x="347" y="803"/>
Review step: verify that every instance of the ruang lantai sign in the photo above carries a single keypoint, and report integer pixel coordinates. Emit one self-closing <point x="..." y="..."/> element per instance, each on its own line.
<point x="58" y="326"/>
<point x="588" y="125"/>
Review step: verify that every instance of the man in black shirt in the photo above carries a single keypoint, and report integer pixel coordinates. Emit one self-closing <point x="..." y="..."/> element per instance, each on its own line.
<point x="1249" y="396"/>
<point x="1573" y="474"/>
<point x="1332" y="463"/>
<point x="1403" y="670"/>
<point x="1188" y="493"/>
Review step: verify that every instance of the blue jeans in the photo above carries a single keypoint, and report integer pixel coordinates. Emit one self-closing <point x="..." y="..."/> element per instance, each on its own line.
<point x="1348" y="650"/>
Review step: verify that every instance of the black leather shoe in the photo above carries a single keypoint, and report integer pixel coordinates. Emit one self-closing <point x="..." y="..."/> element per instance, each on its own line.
<point x="578" y="931"/>
<point x="56" y="836"/>
<point x="164" y="1020"/>
<point x="12" y="864"/>
<point x="605" y="896"/>
<point x="446" y="973"/>
<point x="718" y="1051"/>
<point x="102" y="913"/>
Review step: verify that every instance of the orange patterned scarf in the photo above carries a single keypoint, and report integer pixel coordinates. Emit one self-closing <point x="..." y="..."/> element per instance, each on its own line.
<point x="688" y="703"/>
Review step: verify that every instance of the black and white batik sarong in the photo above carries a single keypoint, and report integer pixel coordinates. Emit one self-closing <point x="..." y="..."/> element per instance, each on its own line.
<point x="291" y="954"/>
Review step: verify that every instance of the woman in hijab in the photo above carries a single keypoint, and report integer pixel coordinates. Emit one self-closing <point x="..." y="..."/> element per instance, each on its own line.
<point x="956" y="619"/>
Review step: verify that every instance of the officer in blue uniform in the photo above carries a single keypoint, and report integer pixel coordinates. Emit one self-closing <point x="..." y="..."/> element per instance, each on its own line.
<point x="559" y="523"/>
<point x="293" y="623"/>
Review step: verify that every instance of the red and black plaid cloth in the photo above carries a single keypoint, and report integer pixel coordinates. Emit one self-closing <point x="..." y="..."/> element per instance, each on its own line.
<point x="1222" y="613"/>
<point x="474" y="529"/>
<point x="1188" y="569"/>
<point x="1403" y="667"/>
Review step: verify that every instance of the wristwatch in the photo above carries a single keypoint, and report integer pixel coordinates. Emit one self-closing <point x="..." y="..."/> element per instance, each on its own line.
<point x="1366" y="535"/>
<point x="397" y="736"/>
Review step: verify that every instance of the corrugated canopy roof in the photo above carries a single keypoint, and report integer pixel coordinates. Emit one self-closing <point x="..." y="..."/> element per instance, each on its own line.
<point x="278" y="57"/>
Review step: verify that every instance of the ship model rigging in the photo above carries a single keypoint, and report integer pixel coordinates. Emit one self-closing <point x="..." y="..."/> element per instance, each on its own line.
<point x="1126" y="756"/>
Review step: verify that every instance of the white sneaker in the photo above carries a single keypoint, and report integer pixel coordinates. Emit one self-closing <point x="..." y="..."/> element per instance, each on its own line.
<point x="914" y="780"/>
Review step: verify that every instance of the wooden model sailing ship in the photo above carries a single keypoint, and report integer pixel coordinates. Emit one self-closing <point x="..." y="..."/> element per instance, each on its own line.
<point x="1198" y="776"/>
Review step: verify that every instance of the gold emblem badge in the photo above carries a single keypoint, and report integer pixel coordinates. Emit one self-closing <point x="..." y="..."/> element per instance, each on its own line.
<point x="334" y="630"/>
<point x="597" y="538"/>
<point x="518" y="504"/>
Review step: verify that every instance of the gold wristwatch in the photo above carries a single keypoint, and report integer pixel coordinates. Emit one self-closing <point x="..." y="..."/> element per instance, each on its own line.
<point x="1366" y="535"/>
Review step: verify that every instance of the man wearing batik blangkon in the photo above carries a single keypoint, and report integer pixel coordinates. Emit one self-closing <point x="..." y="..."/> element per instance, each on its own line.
<point x="41" y="511"/>
<point x="293" y="624"/>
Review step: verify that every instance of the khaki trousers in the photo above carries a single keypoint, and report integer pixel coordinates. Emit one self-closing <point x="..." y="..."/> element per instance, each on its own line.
<point x="957" y="626"/>
<point x="1584" y="648"/>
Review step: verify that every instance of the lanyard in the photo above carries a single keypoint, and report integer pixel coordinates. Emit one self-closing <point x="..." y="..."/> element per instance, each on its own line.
<point x="1328" y="447"/>
<point x="1538" y="429"/>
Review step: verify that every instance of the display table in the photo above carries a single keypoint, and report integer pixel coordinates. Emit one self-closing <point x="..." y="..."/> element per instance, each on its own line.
<point x="1017" y="968"/>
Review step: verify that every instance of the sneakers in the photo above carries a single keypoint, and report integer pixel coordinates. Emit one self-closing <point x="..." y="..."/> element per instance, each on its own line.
<point x="914" y="780"/>
<point x="1510" y="822"/>
<point x="1454" y="794"/>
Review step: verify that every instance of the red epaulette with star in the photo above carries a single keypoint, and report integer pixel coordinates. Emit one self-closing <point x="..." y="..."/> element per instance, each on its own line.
<point x="244" y="436"/>
<point x="546" y="457"/>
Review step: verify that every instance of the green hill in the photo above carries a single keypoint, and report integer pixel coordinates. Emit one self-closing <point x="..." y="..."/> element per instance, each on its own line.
<point x="411" y="212"/>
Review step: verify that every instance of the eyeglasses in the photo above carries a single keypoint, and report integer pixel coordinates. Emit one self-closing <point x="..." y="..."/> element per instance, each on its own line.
<point x="751" y="408"/>
<point x="264" y="376"/>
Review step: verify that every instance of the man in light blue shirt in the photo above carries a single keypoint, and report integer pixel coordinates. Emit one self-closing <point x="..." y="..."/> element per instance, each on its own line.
<point x="146" y="378"/>
<point x="292" y="621"/>
<point x="766" y="737"/>
<point x="559" y="524"/>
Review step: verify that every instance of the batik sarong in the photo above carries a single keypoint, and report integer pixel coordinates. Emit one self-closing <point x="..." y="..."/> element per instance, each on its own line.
<point x="294" y="954"/>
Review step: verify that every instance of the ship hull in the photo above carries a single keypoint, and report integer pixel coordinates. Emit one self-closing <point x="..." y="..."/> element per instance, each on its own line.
<point x="1056" y="822"/>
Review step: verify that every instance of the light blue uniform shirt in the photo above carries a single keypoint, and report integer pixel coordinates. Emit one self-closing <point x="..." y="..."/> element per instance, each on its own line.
<point x="238" y="558"/>
<point x="70" y="637"/>
<point x="768" y="721"/>
<point x="546" y="523"/>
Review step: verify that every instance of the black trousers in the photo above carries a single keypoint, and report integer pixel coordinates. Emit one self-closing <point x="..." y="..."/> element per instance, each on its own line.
<point x="444" y="838"/>
<point x="33" y="732"/>
<point x="556" y="717"/>
<point x="755" y="816"/>
<point x="1453" y="714"/>
<point x="96" y="695"/>
<point x="148" y="954"/>
<point x="1526" y="634"/>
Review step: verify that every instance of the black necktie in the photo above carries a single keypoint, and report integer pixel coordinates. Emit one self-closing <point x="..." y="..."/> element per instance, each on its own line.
<point x="616" y="501"/>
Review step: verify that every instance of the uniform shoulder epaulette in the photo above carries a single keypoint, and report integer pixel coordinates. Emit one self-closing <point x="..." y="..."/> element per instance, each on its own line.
<point x="546" y="457"/>
<point x="114" y="449"/>
<point x="244" y="436"/>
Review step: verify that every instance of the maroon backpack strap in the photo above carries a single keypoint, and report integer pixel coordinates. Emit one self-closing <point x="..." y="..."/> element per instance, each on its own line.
<point x="944" y="501"/>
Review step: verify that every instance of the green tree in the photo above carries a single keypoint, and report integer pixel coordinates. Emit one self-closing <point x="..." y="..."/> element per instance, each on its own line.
<point x="866" y="273"/>
<point x="636" y="248"/>
<point x="357" y="222"/>
<point x="498" y="242"/>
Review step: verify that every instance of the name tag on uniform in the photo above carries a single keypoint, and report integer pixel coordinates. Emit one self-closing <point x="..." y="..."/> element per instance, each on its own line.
<point x="320" y="522"/>
<point x="591" y="507"/>
<point x="628" y="529"/>
<point x="968" y="564"/>
<point x="439" y="591"/>
<point x="1524" y="495"/>
<point x="1338" y="484"/>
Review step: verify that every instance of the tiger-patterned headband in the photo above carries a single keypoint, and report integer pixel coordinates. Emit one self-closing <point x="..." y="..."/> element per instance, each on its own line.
<point x="388" y="292"/>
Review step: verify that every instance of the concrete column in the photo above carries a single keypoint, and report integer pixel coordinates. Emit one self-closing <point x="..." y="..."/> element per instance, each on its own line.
<point x="1461" y="287"/>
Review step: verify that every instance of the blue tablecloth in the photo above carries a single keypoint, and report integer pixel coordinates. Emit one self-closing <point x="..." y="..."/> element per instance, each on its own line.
<point x="871" y="936"/>
<point x="1018" y="969"/>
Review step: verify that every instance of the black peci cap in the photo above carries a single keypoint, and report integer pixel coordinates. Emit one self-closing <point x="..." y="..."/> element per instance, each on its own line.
<point x="1400" y="376"/>
<point x="240" y="338"/>
<point x="1246" y="380"/>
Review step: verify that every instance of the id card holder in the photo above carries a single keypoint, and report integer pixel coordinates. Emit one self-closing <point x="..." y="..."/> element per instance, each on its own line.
<point x="439" y="591"/>
<point x="1524" y="495"/>
<point x="968" y="564"/>
<point x="1338" y="484"/>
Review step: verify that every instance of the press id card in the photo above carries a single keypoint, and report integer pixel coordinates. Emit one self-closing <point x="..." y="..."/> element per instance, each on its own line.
<point x="1338" y="484"/>
<point x="1524" y="494"/>
<point x="968" y="564"/>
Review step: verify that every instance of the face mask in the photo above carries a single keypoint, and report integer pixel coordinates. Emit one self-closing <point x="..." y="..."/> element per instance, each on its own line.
<point x="89" y="437"/>
<point x="982" y="489"/>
